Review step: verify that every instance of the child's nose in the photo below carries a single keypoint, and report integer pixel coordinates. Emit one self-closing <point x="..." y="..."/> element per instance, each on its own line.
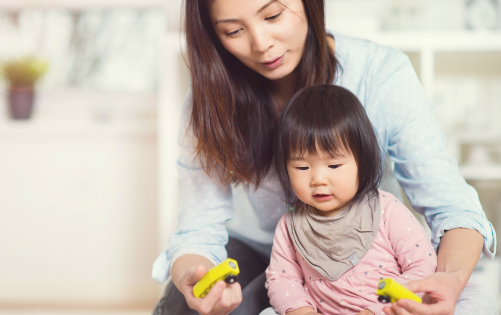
<point x="318" y="178"/>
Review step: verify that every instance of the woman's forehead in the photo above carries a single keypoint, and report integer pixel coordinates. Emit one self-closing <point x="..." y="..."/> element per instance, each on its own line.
<point x="235" y="9"/>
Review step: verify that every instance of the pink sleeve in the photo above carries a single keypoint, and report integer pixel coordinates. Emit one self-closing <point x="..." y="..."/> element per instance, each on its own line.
<point x="409" y="241"/>
<point x="285" y="278"/>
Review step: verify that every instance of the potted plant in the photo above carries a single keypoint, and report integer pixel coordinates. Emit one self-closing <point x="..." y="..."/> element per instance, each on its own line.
<point x="22" y="74"/>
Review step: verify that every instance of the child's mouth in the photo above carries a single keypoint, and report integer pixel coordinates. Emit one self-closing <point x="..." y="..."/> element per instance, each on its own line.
<point x="322" y="197"/>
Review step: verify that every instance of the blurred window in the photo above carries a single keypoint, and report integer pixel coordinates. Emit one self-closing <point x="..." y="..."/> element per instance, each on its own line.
<point x="110" y="49"/>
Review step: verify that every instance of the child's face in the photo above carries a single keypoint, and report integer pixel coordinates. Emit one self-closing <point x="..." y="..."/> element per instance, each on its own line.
<point x="324" y="182"/>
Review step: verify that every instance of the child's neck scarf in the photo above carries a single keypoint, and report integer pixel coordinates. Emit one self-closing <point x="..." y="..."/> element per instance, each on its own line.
<point x="333" y="245"/>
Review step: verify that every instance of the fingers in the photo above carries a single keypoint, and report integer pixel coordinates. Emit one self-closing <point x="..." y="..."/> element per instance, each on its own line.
<point x="231" y="297"/>
<point x="397" y="310"/>
<point x="388" y="311"/>
<point x="206" y="304"/>
<point x="417" y="285"/>
<point x="422" y="309"/>
<point x="193" y="275"/>
<point x="200" y="272"/>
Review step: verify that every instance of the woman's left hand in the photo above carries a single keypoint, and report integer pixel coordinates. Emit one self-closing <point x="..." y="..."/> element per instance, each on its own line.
<point x="442" y="290"/>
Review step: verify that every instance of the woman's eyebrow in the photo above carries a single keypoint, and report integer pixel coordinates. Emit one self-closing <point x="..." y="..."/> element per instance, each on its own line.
<point x="236" y="20"/>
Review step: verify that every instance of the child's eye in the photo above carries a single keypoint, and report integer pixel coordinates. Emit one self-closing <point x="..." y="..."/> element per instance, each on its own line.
<point x="302" y="168"/>
<point x="334" y="166"/>
<point x="272" y="18"/>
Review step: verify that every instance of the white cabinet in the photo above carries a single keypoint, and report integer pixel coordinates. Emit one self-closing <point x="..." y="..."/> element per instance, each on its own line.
<point x="78" y="208"/>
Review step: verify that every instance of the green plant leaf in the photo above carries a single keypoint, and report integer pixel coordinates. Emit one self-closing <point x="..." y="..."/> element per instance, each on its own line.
<point x="23" y="72"/>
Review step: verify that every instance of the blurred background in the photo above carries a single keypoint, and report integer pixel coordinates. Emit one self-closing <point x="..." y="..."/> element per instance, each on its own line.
<point x="88" y="186"/>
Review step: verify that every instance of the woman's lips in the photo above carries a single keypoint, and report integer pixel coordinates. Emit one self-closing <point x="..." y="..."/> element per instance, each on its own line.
<point x="273" y="64"/>
<point x="321" y="197"/>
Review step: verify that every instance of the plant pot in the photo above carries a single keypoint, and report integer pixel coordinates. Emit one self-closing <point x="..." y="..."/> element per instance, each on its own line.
<point x="21" y="102"/>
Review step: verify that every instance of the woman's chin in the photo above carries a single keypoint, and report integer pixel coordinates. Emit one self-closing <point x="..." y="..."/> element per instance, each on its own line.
<point x="275" y="74"/>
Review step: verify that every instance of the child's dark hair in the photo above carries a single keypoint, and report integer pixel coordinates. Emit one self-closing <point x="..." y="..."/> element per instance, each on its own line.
<point x="331" y="119"/>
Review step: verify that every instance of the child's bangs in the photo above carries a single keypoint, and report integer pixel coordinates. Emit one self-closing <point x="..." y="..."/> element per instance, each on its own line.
<point x="312" y="140"/>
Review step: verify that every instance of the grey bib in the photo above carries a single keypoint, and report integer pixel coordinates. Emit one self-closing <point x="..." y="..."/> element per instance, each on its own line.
<point x="333" y="245"/>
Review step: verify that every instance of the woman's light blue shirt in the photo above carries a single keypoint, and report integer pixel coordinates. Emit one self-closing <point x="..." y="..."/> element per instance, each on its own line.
<point x="385" y="82"/>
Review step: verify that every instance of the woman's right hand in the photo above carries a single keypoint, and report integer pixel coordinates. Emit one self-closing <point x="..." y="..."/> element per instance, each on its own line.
<point x="222" y="299"/>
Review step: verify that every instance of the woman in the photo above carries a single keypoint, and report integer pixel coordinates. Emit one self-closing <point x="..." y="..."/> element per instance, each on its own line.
<point x="246" y="60"/>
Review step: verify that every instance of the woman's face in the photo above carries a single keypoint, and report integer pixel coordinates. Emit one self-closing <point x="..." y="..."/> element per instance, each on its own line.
<point x="267" y="36"/>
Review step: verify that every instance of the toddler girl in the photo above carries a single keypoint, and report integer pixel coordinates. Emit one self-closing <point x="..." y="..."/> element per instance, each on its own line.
<point x="342" y="234"/>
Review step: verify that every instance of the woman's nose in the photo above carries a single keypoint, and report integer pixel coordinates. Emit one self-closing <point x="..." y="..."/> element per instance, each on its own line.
<point x="262" y="41"/>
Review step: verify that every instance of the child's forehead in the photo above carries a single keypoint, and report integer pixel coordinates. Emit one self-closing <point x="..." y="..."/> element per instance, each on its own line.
<point x="320" y="154"/>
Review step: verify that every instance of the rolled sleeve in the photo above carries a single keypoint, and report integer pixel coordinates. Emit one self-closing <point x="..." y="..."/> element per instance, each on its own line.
<point x="427" y="173"/>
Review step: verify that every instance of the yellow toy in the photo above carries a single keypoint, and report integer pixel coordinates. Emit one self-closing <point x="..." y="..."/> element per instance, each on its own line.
<point x="390" y="290"/>
<point x="227" y="271"/>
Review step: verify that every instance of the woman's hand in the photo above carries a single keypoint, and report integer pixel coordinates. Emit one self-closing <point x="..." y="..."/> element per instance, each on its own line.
<point x="222" y="299"/>
<point x="442" y="290"/>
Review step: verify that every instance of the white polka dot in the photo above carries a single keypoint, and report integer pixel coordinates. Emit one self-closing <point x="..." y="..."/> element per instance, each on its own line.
<point x="293" y="285"/>
<point x="306" y="289"/>
<point x="287" y="294"/>
<point x="408" y="229"/>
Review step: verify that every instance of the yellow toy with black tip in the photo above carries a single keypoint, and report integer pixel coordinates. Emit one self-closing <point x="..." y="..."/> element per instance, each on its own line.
<point x="390" y="290"/>
<point x="227" y="271"/>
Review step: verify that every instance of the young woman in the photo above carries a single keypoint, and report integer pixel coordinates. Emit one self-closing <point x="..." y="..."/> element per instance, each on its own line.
<point x="246" y="59"/>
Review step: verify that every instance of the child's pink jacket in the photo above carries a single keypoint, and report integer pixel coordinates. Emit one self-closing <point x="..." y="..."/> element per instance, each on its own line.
<point x="401" y="251"/>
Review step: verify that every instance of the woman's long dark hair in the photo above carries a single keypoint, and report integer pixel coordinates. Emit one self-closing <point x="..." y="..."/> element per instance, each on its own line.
<point x="232" y="115"/>
<point x="331" y="119"/>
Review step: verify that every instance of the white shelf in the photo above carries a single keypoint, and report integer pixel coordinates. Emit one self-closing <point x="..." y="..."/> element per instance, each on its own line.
<point x="480" y="172"/>
<point x="476" y="137"/>
<point x="80" y="5"/>
<point x="76" y="130"/>
<point x="83" y="115"/>
<point x="440" y="41"/>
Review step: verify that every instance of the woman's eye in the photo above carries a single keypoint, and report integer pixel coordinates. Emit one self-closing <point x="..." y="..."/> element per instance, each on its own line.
<point x="272" y="18"/>
<point x="302" y="168"/>
<point x="334" y="166"/>
<point x="233" y="33"/>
